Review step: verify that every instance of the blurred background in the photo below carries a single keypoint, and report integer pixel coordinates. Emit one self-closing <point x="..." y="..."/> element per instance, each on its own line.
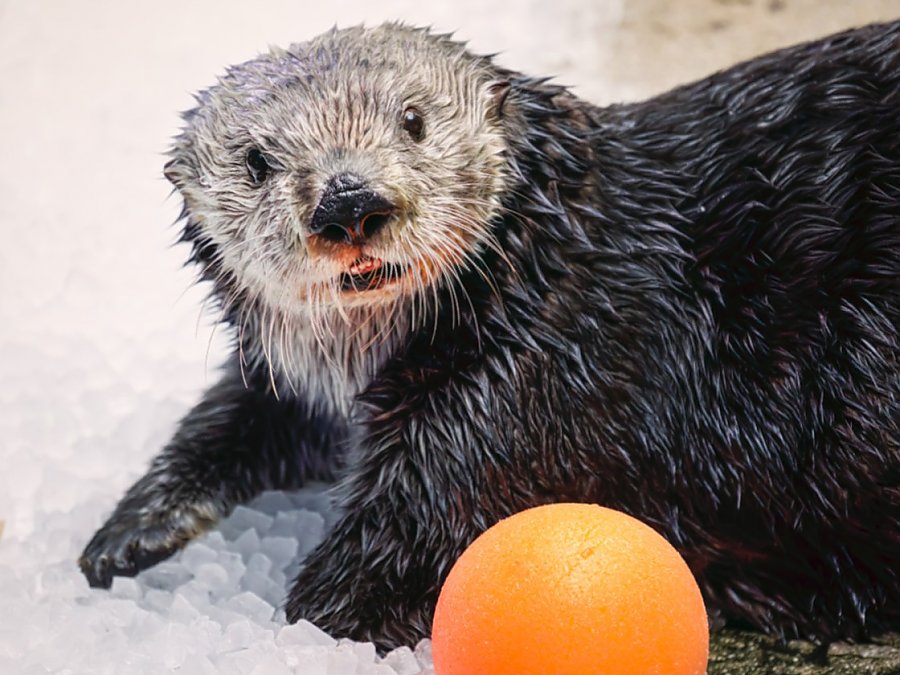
<point x="103" y="343"/>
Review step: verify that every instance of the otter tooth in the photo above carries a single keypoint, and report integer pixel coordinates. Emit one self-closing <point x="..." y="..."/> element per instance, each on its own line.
<point x="365" y="265"/>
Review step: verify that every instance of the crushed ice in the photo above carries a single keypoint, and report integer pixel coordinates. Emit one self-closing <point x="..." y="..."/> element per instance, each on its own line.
<point x="214" y="608"/>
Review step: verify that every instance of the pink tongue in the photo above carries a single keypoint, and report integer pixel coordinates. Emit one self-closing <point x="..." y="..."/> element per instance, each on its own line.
<point x="365" y="265"/>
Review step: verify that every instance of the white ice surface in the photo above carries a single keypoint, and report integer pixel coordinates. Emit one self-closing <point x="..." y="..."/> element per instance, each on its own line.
<point x="215" y="607"/>
<point x="103" y="345"/>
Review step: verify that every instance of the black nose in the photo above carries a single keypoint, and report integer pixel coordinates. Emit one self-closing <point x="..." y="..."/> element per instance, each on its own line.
<point x="349" y="211"/>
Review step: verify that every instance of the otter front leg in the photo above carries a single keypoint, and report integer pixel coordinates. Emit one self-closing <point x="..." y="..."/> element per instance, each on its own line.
<point x="238" y="441"/>
<point x="376" y="577"/>
<point x="411" y="507"/>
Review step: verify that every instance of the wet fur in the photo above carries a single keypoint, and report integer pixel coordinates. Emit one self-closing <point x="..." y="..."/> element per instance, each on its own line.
<point x="695" y="318"/>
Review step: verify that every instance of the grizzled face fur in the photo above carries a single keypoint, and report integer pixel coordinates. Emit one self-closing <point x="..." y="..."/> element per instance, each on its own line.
<point x="356" y="170"/>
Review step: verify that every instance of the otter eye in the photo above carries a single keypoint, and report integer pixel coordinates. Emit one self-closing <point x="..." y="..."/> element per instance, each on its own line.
<point x="414" y="123"/>
<point x="257" y="166"/>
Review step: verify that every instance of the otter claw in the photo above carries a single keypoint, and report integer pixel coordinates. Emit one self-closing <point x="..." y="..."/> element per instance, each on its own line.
<point x="122" y="550"/>
<point x="96" y="571"/>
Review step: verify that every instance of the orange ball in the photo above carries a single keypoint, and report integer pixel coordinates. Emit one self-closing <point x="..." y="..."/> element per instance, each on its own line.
<point x="570" y="589"/>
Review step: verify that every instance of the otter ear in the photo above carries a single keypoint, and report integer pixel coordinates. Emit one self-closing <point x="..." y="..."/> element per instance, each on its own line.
<point x="174" y="172"/>
<point x="497" y="92"/>
<point x="182" y="165"/>
<point x="180" y="170"/>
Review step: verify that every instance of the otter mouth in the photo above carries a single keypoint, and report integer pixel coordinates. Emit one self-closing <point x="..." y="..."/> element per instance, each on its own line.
<point x="369" y="274"/>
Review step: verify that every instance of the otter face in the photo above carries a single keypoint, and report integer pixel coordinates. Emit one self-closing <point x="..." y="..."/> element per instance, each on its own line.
<point x="356" y="169"/>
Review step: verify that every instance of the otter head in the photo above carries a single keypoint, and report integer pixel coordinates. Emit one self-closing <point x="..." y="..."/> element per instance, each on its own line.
<point x="357" y="169"/>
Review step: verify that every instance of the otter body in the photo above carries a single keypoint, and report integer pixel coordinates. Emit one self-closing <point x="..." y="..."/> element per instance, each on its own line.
<point x="463" y="292"/>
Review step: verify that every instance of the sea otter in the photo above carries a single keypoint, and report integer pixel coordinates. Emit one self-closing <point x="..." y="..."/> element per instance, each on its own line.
<point x="461" y="291"/>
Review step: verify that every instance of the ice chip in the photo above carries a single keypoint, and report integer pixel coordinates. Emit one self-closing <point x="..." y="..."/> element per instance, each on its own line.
<point x="258" y="564"/>
<point x="377" y="669"/>
<point x="307" y="660"/>
<point x="364" y="651"/>
<point x="196" y="593"/>
<point x="252" y="606"/>
<point x="62" y="580"/>
<point x="243" y="519"/>
<point x="297" y="524"/>
<point x="310" y="531"/>
<point x="166" y="575"/>
<point x="264" y="587"/>
<point x="271" y="665"/>
<point x="403" y="661"/>
<point x="157" y="600"/>
<point x="281" y="550"/>
<point x="214" y="540"/>
<point x="224" y="616"/>
<point x="197" y="553"/>
<point x="343" y="660"/>
<point x="304" y="633"/>
<point x="120" y="611"/>
<point x="239" y="635"/>
<point x="247" y="544"/>
<point x="285" y="524"/>
<point x="233" y="564"/>
<point x="423" y="654"/>
<point x="212" y="575"/>
<point x="183" y="610"/>
<point x="127" y="587"/>
<point x="279" y="577"/>
<point x="271" y="502"/>
<point x="198" y="664"/>
<point x="175" y="647"/>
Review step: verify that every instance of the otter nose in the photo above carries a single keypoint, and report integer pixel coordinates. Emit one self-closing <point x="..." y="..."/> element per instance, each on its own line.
<point x="349" y="211"/>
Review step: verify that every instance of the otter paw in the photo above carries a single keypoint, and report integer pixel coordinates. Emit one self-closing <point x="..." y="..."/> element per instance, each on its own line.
<point x="126" y="545"/>
<point x="124" y="548"/>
